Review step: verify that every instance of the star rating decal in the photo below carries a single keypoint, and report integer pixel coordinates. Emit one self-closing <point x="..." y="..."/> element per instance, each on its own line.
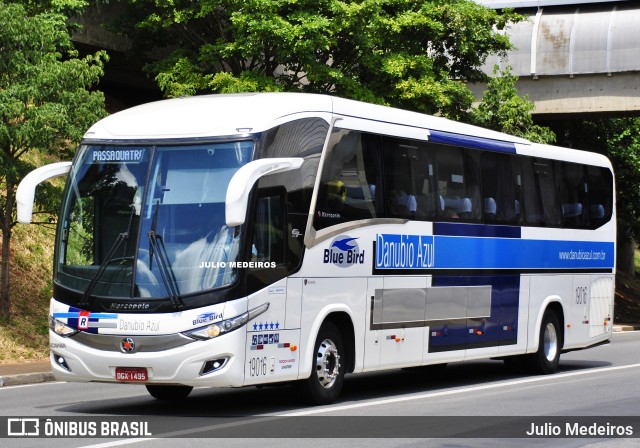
<point x="261" y="326"/>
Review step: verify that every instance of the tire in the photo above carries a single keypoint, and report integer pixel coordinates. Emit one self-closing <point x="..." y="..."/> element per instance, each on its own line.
<point x="546" y="359"/>
<point x="328" y="368"/>
<point x="169" y="393"/>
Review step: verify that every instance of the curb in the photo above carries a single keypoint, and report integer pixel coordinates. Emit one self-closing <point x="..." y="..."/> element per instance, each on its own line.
<point x="625" y="327"/>
<point x="26" y="378"/>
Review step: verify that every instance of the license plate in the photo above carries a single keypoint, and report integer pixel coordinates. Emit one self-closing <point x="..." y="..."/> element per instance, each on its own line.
<point x="131" y="374"/>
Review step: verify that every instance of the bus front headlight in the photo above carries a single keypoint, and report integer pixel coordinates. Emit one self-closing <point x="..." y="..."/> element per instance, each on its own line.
<point x="226" y="326"/>
<point x="60" y="328"/>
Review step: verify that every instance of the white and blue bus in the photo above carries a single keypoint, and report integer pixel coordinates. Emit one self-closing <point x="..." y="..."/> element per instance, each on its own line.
<point x="236" y="240"/>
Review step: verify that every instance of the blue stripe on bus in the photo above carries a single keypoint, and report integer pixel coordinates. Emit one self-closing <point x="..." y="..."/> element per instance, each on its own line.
<point x="76" y="314"/>
<point x="467" y="141"/>
<point x="500" y="328"/>
<point x="496" y="253"/>
<point x="427" y="252"/>
<point x="479" y="230"/>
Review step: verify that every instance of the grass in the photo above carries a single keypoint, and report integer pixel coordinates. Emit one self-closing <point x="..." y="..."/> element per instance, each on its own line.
<point x="25" y="335"/>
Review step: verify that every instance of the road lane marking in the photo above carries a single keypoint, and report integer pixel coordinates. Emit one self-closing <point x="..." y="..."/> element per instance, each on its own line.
<point x="20" y="386"/>
<point x="315" y="411"/>
<point x="461" y="390"/>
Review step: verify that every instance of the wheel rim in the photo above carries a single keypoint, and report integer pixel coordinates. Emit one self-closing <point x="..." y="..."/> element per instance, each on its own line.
<point x="327" y="363"/>
<point x="550" y="342"/>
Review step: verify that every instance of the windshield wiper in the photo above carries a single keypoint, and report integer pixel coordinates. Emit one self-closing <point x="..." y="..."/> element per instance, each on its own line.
<point x="166" y="272"/>
<point x="156" y="247"/>
<point x="86" y="297"/>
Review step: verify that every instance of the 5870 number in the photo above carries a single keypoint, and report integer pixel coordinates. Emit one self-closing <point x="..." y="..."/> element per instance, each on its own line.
<point x="258" y="366"/>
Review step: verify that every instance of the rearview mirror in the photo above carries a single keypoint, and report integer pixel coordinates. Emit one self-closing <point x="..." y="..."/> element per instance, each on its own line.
<point x="27" y="189"/>
<point x="242" y="182"/>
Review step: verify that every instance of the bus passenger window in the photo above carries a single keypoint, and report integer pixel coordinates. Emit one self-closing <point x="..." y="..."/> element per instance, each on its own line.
<point x="458" y="184"/>
<point x="409" y="180"/>
<point x="501" y="188"/>
<point x="573" y="194"/>
<point x="350" y="186"/>
<point x="541" y="196"/>
<point x="600" y="186"/>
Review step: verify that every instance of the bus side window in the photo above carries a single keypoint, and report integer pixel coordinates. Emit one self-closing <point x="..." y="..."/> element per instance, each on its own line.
<point x="541" y="195"/>
<point x="268" y="243"/>
<point x="600" y="186"/>
<point x="268" y="252"/>
<point x="458" y="184"/>
<point x="501" y="188"/>
<point x="409" y="180"/>
<point x="351" y="184"/>
<point x="573" y="194"/>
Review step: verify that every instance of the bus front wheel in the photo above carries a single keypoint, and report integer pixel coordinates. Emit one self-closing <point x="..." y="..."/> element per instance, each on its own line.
<point x="328" y="367"/>
<point x="169" y="393"/>
<point x="546" y="359"/>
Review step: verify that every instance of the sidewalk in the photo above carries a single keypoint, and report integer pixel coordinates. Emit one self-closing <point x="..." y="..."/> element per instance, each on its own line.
<point x="25" y="373"/>
<point x="40" y="371"/>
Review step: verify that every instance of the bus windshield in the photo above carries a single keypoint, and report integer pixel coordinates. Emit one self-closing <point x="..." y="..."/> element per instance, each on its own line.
<point x="144" y="221"/>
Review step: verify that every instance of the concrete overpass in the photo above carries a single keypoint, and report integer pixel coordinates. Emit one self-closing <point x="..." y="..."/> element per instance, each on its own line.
<point x="124" y="83"/>
<point x="574" y="57"/>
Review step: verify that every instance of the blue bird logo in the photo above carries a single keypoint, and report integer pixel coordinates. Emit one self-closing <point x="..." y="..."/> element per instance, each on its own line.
<point x="343" y="244"/>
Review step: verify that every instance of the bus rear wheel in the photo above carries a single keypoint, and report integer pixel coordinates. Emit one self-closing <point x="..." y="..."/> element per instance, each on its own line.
<point x="169" y="393"/>
<point x="546" y="359"/>
<point x="328" y="367"/>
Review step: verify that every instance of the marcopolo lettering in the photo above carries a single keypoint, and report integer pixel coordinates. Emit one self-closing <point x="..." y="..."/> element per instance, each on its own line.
<point x="404" y="251"/>
<point x="343" y="252"/>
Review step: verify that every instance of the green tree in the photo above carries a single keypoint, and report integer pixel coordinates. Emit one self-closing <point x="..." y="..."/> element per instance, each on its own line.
<point x="45" y="103"/>
<point x="502" y="109"/>
<point x="413" y="54"/>
<point x="66" y="7"/>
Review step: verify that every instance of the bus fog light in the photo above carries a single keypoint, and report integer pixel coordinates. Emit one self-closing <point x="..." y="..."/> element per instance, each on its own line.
<point x="213" y="364"/>
<point x="59" y="360"/>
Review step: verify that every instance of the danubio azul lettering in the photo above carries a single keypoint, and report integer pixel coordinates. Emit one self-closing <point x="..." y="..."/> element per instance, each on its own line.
<point x="404" y="251"/>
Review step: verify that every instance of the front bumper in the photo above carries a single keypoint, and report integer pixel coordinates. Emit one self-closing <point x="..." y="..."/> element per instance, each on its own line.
<point x="182" y="365"/>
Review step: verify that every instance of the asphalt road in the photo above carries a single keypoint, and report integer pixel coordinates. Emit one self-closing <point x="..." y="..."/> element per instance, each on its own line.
<point x="382" y="409"/>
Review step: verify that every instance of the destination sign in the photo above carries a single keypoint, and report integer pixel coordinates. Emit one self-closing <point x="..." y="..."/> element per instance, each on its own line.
<point x="116" y="156"/>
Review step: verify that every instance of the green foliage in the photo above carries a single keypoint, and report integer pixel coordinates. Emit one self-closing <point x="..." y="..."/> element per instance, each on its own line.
<point x="416" y="55"/>
<point x="45" y="100"/>
<point x="66" y="7"/>
<point x="503" y="110"/>
<point x="623" y="144"/>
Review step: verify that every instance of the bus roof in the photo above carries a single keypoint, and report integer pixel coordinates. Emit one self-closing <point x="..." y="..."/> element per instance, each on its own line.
<point x="225" y="115"/>
<point x="200" y="117"/>
<point x="206" y="116"/>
